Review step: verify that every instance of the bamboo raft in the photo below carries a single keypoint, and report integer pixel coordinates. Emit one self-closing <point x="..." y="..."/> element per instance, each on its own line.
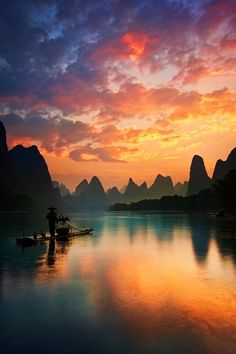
<point x="33" y="240"/>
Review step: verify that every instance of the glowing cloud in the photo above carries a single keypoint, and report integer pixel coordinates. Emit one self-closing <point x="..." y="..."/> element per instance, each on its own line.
<point x="136" y="43"/>
<point x="126" y="82"/>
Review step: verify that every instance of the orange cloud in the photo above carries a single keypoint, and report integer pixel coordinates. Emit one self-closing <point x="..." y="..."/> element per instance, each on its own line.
<point x="72" y="93"/>
<point x="130" y="46"/>
<point x="229" y="44"/>
<point x="136" y="43"/>
<point x="159" y="114"/>
<point x="106" y="154"/>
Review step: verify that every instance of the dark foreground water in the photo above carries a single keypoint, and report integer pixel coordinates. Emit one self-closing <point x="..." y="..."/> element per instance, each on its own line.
<point x="143" y="283"/>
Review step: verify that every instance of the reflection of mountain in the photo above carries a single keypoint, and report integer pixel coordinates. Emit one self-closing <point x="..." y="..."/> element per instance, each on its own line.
<point x="153" y="285"/>
<point x="204" y="230"/>
<point x="201" y="236"/>
<point x="14" y="258"/>
<point x="224" y="233"/>
<point x="24" y="171"/>
<point x="140" y="282"/>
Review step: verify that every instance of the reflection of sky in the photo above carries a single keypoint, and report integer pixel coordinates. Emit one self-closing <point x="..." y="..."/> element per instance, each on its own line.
<point x="148" y="282"/>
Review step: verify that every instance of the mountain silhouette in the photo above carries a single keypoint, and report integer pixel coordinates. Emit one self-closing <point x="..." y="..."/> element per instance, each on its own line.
<point x="181" y="188"/>
<point x="198" y="179"/>
<point x="223" y="167"/>
<point x="94" y="195"/>
<point x="82" y="186"/>
<point x="162" y="186"/>
<point x="7" y="175"/>
<point x="143" y="191"/>
<point x="122" y="189"/>
<point x="64" y="191"/>
<point x="3" y="139"/>
<point x="24" y="171"/>
<point x="31" y="170"/>
<point x="114" y="196"/>
<point x="133" y="192"/>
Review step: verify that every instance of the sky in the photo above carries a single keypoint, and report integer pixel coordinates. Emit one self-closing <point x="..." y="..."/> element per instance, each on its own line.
<point x="119" y="89"/>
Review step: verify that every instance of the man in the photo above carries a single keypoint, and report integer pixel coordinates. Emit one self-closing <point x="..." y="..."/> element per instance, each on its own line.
<point x="52" y="220"/>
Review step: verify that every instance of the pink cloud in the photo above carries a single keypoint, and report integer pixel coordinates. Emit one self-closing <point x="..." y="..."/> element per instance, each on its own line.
<point x="228" y="44"/>
<point x="131" y="45"/>
<point x="95" y="154"/>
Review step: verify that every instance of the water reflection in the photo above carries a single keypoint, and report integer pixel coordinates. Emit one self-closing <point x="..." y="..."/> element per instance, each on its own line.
<point x="143" y="283"/>
<point x="201" y="236"/>
<point x="51" y="253"/>
<point x="224" y="232"/>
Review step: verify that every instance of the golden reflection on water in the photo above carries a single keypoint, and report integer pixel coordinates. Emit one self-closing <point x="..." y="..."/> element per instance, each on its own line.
<point x="154" y="287"/>
<point x="55" y="264"/>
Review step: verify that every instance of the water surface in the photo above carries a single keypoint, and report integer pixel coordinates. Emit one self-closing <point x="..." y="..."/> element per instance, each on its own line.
<point x="143" y="283"/>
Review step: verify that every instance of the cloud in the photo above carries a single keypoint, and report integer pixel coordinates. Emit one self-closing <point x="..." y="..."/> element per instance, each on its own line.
<point x="129" y="46"/>
<point x="51" y="133"/>
<point x="228" y="44"/>
<point x="168" y="107"/>
<point x="49" y="45"/>
<point x="77" y="140"/>
<point x="99" y="80"/>
<point x="89" y="153"/>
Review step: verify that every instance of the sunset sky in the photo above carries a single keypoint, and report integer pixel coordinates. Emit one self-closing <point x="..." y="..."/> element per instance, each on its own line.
<point x="119" y="89"/>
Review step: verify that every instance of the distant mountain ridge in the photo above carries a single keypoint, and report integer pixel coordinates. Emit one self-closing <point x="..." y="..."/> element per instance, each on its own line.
<point x="181" y="188"/>
<point x="133" y="192"/>
<point x="114" y="196"/>
<point x="95" y="196"/>
<point x="81" y="187"/>
<point x="24" y="170"/>
<point x="64" y="191"/>
<point x="161" y="186"/>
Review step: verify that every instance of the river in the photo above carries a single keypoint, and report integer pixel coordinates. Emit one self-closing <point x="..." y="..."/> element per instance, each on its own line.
<point x="143" y="283"/>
